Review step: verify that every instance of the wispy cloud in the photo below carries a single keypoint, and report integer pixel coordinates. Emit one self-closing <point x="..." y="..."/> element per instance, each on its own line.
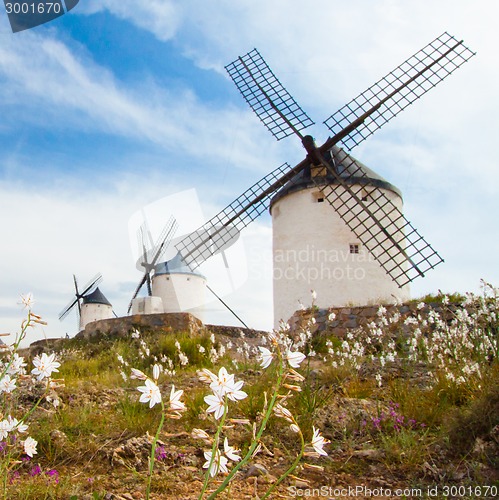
<point x="160" y="17"/>
<point x="441" y="152"/>
<point x="63" y="88"/>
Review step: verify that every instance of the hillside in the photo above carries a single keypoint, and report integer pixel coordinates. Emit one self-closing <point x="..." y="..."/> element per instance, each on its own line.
<point x="409" y="403"/>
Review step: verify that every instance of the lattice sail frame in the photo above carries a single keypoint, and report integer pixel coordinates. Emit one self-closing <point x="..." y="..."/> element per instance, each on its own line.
<point x="380" y="225"/>
<point x="224" y="227"/>
<point x="373" y="216"/>
<point x="266" y="95"/>
<point x="401" y="87"/>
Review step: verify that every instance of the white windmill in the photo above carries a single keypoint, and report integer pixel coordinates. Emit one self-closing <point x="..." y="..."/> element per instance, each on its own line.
<point x="330" y="206"/>
<point x="91" y="303"/>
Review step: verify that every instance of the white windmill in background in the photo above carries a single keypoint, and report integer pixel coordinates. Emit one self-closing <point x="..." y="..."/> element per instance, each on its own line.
<point x="330" y="206"/>
<point x="90" y="303"/>
<point x="172" y="286"/>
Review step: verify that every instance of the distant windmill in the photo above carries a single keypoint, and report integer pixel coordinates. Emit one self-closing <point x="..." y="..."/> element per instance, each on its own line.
<point x="362" y="210"/>
<point x="151" y="253"/>
<point x="90" y="303"/>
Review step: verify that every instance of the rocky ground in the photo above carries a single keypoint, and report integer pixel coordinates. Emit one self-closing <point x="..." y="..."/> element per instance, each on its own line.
<point x="360" y="464"/>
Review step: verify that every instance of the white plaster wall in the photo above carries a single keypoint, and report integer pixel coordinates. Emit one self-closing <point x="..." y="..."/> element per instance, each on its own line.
<point x="181" y="293"/>
<point x="147" y="305"/>
<point x="94" y="312"/>
<point x="311" y="251"/>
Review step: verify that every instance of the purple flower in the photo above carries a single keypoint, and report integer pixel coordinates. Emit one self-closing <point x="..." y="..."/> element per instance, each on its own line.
<point x="53" y="474"/>
<point x="35" y="471"/>
<point x="161" y="453"/>
<point x="376" y="423"/>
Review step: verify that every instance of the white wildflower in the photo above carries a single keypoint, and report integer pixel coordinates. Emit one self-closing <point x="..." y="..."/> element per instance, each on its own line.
<point x="30" y="446"/>
<point x="216" y="404"/>
<point x="318" y="442"/>
<point x="150" y="393"/>
<point x="156" y="372"/>
<point x="218" y="464"/>
<point x="207" y="376"/>
<point x="45" y="366"/>
<point x="27" y="301"/>
<point x="17" y="365"/>
<point x="7" y="385"/>
<point x="138" y="374"/>
<point x="231" y="452"/>
<point x="200" y="434"/>
<point x="294" y="358"/>
<point x="175" y="403"/>
<point x="265" y="357"/>
<point x="234" y="392"/>
<point x="4" y="429"/>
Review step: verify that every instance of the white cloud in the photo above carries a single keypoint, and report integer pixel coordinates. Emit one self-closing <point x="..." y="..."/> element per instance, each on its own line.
<point x="160" y="17"/>
<point x="64" y="88"/>
<point x="440" y="152"/>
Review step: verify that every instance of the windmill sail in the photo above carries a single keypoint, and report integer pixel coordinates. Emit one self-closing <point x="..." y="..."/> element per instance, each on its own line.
<point x="271" y="102"/>
<point x="401" y="87"/>
<point x="215" y="234"/>
<point x="79" y="295"/>
<point x="378" y="223"/>
<point x="375" y="219"/>
<point x="151" y="257"/>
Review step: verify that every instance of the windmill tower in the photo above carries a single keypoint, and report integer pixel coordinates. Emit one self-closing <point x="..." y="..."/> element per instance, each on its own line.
<point x="179" y="288"/>
<point x="330" y="204"/>
<point x="313" y="248"/>
<point x="94" y="307"/>
<point x="90" y="303"/>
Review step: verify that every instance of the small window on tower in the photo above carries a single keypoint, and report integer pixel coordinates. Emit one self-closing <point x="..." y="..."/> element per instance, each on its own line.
<point x="319" y="197"/>
<point x="354" y="248"/>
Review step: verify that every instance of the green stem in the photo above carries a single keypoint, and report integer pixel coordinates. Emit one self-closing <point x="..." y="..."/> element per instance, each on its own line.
<point x="35" y="406"/>
<point x="15" y="347"/>
<point x="256" y="440"/>
<point x="214" y="449"/>
<point x="289" y="471"/>
<point x="152" y="458"/>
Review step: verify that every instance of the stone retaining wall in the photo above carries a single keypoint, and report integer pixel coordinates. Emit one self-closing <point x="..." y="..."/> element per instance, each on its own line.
<point x="349" y="318"/>
<point x="122" y="327"/>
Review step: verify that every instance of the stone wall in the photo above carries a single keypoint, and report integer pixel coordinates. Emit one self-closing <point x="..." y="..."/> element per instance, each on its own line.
<point x="166" y="323"/>
<point x="349" y="318"/>
<point x="122" y="327"/>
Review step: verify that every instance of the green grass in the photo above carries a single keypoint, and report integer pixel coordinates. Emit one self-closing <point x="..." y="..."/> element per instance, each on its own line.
<point x="99" y="411"/>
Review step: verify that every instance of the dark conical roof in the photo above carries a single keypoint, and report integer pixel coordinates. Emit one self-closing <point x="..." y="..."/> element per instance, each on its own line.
<point x="96" y="297"/>
<point x="349" y="168"/>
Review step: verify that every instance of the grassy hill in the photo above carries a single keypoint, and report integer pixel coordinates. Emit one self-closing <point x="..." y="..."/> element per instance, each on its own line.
<point x="408" y="404"/>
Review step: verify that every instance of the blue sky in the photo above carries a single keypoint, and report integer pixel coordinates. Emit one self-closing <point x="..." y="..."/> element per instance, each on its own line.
<point x="120" y="103"/>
